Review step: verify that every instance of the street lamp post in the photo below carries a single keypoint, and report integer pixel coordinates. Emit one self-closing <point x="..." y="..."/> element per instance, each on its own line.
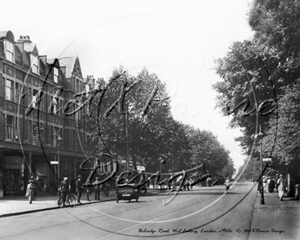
<point x="59" y="139"/>
<point x="262" y="199"/>
<point x="127" y="142"/>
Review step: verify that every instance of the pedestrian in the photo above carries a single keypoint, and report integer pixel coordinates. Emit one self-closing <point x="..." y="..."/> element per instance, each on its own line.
<point x="227" y="184"/>
<point x="34" y="187"/>
<point x="271" y="185"/>
<point x="276" y="180"/>
<point x="63" y="188"/>
<point x="79" y="188"/>
<point x="30" y="191"/>
<point x="97" y="187"/>
<point x="208" y="180"/>
<point x="281" y="187"/>
<point x="265" y="184"/>
<point x="87" y="190"/>
<point x="260" y="186"/>
<point x="268" y="183"/>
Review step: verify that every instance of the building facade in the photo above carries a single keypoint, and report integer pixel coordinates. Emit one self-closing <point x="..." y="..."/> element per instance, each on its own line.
<point x="37" y="138"/>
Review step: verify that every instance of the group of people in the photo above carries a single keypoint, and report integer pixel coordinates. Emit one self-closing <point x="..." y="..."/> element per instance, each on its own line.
<point x="274" y="184"/>
<point x="65" y="187"/>
<point x="80" y="188"/>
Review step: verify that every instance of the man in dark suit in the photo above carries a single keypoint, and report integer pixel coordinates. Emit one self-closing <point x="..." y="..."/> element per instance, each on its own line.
<point x="64" y="187"/>
<point x="79" y="189"/>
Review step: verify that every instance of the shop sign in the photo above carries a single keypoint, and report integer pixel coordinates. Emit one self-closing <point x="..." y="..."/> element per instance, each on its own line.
<point x="12" y="162"/>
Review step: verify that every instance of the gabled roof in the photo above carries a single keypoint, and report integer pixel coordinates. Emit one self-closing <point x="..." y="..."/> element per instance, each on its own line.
<point x="31" y="48"/>
<point x="72" y="65"/>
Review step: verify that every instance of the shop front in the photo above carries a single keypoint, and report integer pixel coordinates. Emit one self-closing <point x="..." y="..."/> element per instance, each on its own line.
<point x="13" y="175"/>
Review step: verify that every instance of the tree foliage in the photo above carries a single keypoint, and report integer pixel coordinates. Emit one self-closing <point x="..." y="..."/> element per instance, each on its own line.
<point x="137" y="109"/>
<point x="265" y="67"/>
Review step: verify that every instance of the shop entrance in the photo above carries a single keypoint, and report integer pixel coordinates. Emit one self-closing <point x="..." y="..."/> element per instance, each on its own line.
<point x="13" y="176"/>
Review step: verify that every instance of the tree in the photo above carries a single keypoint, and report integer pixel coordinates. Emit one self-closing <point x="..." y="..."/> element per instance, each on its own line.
<point x="137" y="106"/>
<point x="283" y="135"/>
<point x="272" y="55"/>
<point x="250" y="170"/>
<point x="205" y="149"/>
<point x="130" y="116"/>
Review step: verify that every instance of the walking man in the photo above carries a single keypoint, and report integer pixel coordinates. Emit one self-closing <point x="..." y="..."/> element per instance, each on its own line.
<point x="97" y="185"/>
<point x="79" y="188"/>
<point x="64" y="187"/>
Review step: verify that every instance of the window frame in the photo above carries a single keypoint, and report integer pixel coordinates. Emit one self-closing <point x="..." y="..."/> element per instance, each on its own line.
<point x="55" y="75"/>
<point x="11" y="130"/>
<point x="9" y="53"/>
<point x="34" y="61"/>
<point x="12" y="89"/>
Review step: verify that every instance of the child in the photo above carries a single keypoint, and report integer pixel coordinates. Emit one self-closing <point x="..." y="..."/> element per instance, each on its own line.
<point x="227" y="184"/>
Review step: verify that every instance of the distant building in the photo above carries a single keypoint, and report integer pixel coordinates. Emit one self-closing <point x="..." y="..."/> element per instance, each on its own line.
<point x="34" y="131"/>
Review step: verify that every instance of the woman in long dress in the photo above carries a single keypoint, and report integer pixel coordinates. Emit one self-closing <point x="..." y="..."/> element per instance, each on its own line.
<point x="281" y="187"/>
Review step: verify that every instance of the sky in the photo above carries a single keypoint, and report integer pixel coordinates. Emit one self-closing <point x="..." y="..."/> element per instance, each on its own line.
<point x="178" y="40"/>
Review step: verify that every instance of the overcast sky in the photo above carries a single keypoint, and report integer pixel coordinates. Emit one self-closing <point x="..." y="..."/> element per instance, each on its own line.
<point x="176" y="39"/>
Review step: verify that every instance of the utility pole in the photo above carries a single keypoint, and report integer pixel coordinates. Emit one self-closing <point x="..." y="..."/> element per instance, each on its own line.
<point x="126" y="133"/>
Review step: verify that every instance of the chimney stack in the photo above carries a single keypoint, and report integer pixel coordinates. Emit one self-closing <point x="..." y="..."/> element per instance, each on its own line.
<point x="24" y="39"/>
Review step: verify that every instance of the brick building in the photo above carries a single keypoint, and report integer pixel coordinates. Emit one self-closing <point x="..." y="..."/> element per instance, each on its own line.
<point x="36" y="137"/>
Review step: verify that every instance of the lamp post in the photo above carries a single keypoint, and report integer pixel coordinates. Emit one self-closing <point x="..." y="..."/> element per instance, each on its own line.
<point x="262" y="199"/>
<point x="59" y="139"/>
<point x="127" y="142"/>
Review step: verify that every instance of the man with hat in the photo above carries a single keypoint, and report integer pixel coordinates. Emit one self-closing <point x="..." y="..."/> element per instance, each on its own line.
<point x="64" y="186"/>
<point x="97" y="185"/>
<point x="79" y="188"/>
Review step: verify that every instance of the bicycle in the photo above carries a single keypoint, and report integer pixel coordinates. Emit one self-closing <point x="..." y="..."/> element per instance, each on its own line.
<point x="70" y="200"/>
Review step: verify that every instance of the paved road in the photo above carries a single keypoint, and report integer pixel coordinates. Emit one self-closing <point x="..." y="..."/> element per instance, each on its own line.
<point x="204" y="213"/>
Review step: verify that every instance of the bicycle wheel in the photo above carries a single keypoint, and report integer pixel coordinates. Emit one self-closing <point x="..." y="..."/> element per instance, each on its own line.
<point x="60" y="202"/>
<point x="72" y="201"/>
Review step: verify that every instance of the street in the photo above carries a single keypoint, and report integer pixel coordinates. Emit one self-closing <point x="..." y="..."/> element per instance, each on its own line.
<point x="205" y="213"/>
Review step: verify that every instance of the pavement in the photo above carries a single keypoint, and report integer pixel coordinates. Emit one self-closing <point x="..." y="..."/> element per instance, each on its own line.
<point x="18" y="205"/>
<point x="275" y="219"/>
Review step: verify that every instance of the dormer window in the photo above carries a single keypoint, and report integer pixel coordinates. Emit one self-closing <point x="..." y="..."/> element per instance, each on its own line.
<point x="9" y="51"/>
<point x="34" y="64"/>
<point x="55" y="75"/>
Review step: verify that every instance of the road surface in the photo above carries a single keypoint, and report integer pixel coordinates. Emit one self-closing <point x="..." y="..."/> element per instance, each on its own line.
<point x="203" y="213"/>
